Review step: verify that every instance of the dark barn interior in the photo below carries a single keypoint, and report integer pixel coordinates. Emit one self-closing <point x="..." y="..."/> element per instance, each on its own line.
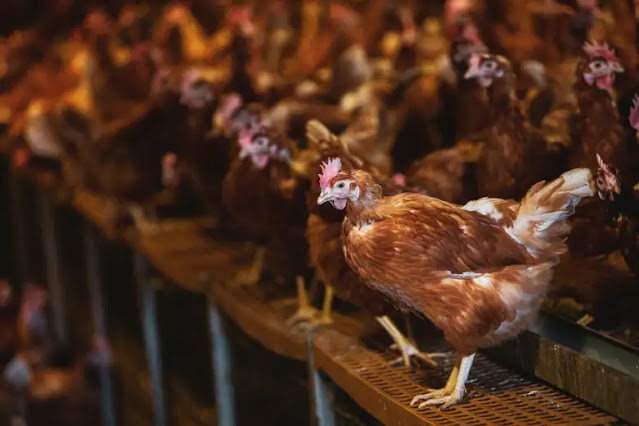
<point x="323" y="212"/>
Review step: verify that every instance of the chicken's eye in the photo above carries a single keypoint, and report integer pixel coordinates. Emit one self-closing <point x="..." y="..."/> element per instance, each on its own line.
<point x="490" y="65"/>
<point x="341" y="185"/>
<point x="261" y="141"/>
<point x="597" y="65"/>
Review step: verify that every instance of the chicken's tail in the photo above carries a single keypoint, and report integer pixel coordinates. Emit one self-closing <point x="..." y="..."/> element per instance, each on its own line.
<point x="542" y="220"/>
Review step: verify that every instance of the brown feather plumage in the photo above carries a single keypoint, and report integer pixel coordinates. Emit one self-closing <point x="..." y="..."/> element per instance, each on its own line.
<point x="431" y="257"/>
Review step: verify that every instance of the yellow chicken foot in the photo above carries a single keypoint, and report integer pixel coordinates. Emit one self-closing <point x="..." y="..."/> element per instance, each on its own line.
<point x="144" y="224"/>
<point x="252" y="275"/>
<point x="454" y="390"/>
<point x="305" y="312"/>
<point x="327" y="307"/>
<point x="408" y="349"/>
<point x="312" y="315"/>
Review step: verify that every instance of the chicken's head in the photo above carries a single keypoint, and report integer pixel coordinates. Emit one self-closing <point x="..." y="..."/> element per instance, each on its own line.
<point x="337" y="186"/>
<point x="245" y="119"/>
<point x="261" y="146"/>
<point x="461" y="51"/>
<point x="601" y="67"/>
<point x="195" y="91"/>
<point x="486" y="68"/>
<point x="607" y="181"/>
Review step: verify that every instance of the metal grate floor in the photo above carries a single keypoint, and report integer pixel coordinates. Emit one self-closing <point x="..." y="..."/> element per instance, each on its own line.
<point x="496" y="395"/>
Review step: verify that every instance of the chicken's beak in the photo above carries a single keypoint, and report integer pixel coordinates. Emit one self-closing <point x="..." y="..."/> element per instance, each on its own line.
<point x="616" y="67"/>
<point x="471" y="73"/>
<point x="324" y="196"/>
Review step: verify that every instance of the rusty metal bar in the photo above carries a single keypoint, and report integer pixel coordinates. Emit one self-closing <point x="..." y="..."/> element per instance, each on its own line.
<point x="52" y="263"/>
<point x="322" y="413"/>
<point x="98" y="310"/>
<point x="148" y="313"/>
<point x="16" y="196"/>
<point x="222" y="364"/>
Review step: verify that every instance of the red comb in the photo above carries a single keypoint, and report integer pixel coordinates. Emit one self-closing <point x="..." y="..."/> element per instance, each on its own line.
<point x="595" y="50"/>
<point x="473" y="62"/>
<point x="471" y="33"/>
<point x="230" y="104"/>
<point x="454" y="8"/>
<point x="178" y="12"/>
<point x="245" y="137"/>
<point x="399" y="179"/>
<point x="169" y="159"/>
<point x="342" y="13"/>
<point x="330" y="169"/>
<point x="239" y="14"/>
<point x="633" y="118"/>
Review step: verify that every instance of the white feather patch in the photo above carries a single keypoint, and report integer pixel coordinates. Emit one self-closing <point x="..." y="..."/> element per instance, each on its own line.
<point x="485" y="206"/>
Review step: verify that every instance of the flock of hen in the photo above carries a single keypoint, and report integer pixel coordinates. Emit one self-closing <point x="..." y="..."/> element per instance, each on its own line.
<point x="237" y="110"/>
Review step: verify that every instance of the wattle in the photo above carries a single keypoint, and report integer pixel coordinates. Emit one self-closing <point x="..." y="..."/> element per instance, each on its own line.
<point x="260" y="160"/>
<point x="339" y="203"/>
<point x="606" y="81"/>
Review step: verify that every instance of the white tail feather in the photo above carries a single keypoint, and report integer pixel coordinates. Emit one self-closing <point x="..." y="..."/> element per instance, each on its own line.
<point x="541" y="224"/>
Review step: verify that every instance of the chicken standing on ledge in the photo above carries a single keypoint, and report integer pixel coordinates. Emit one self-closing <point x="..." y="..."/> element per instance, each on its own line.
<point x="490" y="261"/>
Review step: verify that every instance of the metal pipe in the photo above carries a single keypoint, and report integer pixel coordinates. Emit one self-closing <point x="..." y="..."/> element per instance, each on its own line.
<point x="99" y="320"/>
<point x="52" y="262"/>
<point x="16" y="196"/>
<point x="221" y="359"/>
<point x="322" y="413"/>
<point x="151" y="336"/>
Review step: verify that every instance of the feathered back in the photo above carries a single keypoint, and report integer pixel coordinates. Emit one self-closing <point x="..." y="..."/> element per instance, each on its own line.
<point x="541" y="225"/>
<point x="319" y="137"/>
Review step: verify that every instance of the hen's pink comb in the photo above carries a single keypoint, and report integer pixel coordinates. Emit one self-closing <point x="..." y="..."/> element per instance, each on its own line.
<point x="245" y="137"/>
<point x="342" y="13"/>
<point x="595" y="50"/>
<point x="230" y="104"/>
<point x="473" y="63"/>
<point x="471" y="33"/>
<point x="330" y="169"/>
<point x="633" y="118"/>
<point x="399" y="179"/>
<point x="453" y="8"/>
<point x="178" y="12"/>
<point x="239" y="14"/>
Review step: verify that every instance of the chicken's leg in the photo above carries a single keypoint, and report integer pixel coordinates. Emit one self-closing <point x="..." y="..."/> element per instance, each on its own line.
<point x="252" y="275"/>
<point x="327" y="306"/>
<point x="404" y="345"/>
<point x="454" y="390"/>
<point x="143" y="224"/>
<point x="305" y="312"/>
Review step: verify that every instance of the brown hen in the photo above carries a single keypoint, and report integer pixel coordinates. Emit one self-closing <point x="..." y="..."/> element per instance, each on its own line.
<point x="490" y="262"/>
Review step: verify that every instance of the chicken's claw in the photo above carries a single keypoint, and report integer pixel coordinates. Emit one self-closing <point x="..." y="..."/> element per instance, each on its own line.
<point x="444" y="402"/>
<point x="454" y="390"/>
<point x="410" y="351"/>
<point x="251" y="276"/>
<point x="302" y="315"/>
